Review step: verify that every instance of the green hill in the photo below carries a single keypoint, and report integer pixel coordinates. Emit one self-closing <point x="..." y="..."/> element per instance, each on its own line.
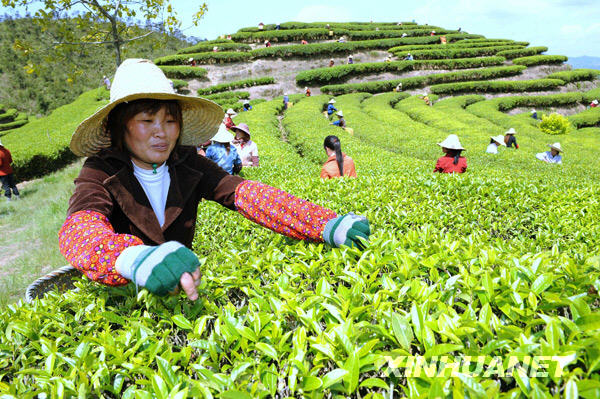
<point x="498" y="265"/>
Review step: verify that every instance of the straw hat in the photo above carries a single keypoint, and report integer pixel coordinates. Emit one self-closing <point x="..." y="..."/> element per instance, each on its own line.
<point x="223" y="135"/>
<point x="245" y="102"/>
<point x="266" y="41"/>
<point x="190" y="59"/>
<point x="556" y="146"/>
<point x="340" y="114"/>
<point x="140" y="79"/>
<point x="451" y="143"/>
<point x="242" y="127"/>
<point x="305" y="88"/>
<point x="533" y="111"/>
<point x="231" y="112"/>
<point x="595" y="102"/>
<point x="511" y="131"/>
<point x="499" y="139"/>
<point x="331" y="59"/>
<point x="332" y="101"/>
<point x="350" y="56"/>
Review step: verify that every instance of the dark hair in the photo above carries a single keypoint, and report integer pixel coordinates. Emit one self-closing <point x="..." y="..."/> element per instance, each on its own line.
<point x="455" y="154"/>
<point x="116" y="122"/>
<point x="333" y="143"/>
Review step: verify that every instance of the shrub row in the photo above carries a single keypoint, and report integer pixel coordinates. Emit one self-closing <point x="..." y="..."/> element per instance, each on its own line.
<point x="459" y="44"/>
<point x="8" y="115"/>
<point x="339" y="25"/>
<point x="575" y="75"/>
<point x="206" y="46"/>
<point x="587" y="118"/>
<point x="341" y="73"/>
<point x="288" y="35"/>
<point x="13" y="125"/>
<point x="524" y="52"/>
<point x="540" y="60"/>
<point x="314" y="49"/>
<point x="497" y="86"/>
<point x="179" y="84"/>
<point x="236" y="85"/>
<point x="183" y="72"/>
<point x="366" y="35"/>
<point x="205" y="58"/>
<point x="237" y="106"/>
<point x="455" y="52"/>
<point x="421" y="81"/>
<point x="228" y="94"/>
<point x="591" y="95"/>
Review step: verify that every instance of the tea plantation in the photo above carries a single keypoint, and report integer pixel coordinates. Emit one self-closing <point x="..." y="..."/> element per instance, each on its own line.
<point x="496" y="264"/>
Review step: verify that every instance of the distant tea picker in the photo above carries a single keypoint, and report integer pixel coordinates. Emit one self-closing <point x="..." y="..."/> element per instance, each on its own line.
<point x="132" y="215"/>
<point x="552" y="156"/>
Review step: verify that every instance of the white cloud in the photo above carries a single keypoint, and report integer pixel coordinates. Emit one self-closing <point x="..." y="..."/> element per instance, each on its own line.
<point x="323" y="13"/>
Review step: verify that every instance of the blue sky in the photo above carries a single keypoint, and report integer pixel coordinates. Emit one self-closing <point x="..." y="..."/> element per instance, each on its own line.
<point x="566" y="27"/>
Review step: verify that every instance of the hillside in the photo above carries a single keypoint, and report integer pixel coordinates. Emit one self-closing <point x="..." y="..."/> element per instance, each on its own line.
<point x="36" y="76"/>
<point x="499" y="264"/>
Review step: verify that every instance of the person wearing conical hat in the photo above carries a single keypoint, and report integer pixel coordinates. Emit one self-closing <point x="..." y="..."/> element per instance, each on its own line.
<point x="350" y="59"/>
<point x="495" y="142"/>
<point x="307" y="91"/>
<point x="330" y="108"/>
<point x="223" y="153"/>
<point x="552" y="156"/>
<point x="341" y="122"/>
<point x="246" y="106"/>
<point x="106" y="82"/>
<point x="246" y="148"/>
<point x="228" y="118"/>
<point x="510" y="139"/>
<point x="594" y="104"/>
<point x="133" y="212"/>
<point x="534" y="114"/>
<point x="331" y="62"/>
<point x="267" y="43"/>
<point x="452" y="161"/>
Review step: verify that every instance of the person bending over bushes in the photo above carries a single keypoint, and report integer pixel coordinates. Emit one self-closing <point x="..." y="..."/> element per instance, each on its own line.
<point x="133" y="212"/>
<point x="338" y="164"/>
<point x="510" y="139"/>
<point x="246" y="148"/>
<point x="341" y="122"/>
<point x="451" y="162"/>
<point x="223" y="153"/>
<point x="495" y="142"/>
<point x="552" y="156"/>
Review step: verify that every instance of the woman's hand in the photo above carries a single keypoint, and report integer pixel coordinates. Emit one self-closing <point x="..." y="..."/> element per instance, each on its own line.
<point x="350" y="229"/>
<point x="160" y="269"/>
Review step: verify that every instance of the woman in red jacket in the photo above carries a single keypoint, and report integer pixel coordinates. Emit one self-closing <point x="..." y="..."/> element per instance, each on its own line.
<point x="451" y="162"/>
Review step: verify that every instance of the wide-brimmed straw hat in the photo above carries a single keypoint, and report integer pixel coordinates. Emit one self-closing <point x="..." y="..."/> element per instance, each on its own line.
<point x="223" y="135"/>
<point x="595" y="102"/>
<point x="230" y="111"/>
<point x="511" y="131"/>
<point x="556" y="146"/>
<point x="340" y="113"/>
<point x="245" y="102"/>
<point x="451" y="143"/>
<point x="499" y="139"/>
<point x="350" y="56"/>
<point x="137" y="79"/>
<point x="533" y="111"/>
<point x="332" y="101"/>
<point x="242" y="127"/>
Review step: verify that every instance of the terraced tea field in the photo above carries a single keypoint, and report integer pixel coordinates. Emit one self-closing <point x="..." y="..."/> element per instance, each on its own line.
<point x="495" y="264"/>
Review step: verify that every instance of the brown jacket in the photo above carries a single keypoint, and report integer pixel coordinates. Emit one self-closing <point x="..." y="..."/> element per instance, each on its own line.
<point x="106" y="184"/>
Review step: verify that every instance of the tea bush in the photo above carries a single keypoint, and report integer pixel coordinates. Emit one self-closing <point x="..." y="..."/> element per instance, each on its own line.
<point x="555" y="124"/>
<point x="236" y="85"/>
<point x="208" y="46"/>
<point x="184" y="72"/>
<point x="455" y="52"/>
<point x="341" y="73"/>
<point x="587" y="118"/>
<point x="524" y="52"/>
<point x="497" y="86"/>
<point x="540" y="60"/>
<point x="576" y="75"/>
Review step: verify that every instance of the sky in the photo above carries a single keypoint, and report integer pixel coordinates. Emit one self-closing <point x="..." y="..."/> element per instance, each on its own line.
<point x="566" y="27"/>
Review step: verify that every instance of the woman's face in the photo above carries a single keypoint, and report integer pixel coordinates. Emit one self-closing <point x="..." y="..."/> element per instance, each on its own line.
<point x="150" y="138"/>
<point x="241" y="136"/>
<point x="553" y="152"/>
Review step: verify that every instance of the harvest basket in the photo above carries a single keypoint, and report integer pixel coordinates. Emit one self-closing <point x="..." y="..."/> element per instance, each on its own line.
<point x="60" y="278"/>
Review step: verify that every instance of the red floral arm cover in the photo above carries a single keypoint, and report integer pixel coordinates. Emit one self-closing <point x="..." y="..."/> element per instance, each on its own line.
<point x="281" y="212"/>
<point x="90" y="244"/>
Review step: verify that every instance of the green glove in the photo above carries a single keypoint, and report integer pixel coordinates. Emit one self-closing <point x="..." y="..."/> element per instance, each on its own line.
<point x="157" y="268"/>
<point x="348" y="230"/>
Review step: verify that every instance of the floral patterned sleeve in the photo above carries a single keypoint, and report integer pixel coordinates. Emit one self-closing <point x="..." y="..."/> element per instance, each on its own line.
<point x="90" y="244"/>
<point x="281" y="212"/>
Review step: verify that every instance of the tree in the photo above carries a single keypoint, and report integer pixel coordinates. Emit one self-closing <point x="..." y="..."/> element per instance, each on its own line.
<point x="93" y="15"/>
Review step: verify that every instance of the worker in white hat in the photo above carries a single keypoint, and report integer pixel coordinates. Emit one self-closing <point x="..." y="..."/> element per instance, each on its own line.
<point x="341" y="122"/>
<point x="451" y="162"/>
<point x="307" y="92"/>
<point x="331" y="62"/>
<point x="246" y="105"/>
<point x="495" y="142"/>
<point x="534" y="114"/>
<point x="594" y="104"/>
<point x="135" y="202"/>
<point x="330" y="108"/>
<point x="223" y="153"/>
<point x="510" y="139"/>
<point x="227" y="119"/>
<point x="552" y="156"/>
<point x="350" y="59"/>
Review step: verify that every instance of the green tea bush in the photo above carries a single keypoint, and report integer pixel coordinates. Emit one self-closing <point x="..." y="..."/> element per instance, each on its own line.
<point x="587" y="118"/>
<point x="179" y="84"/>
<point x="497" y="86"/>
<point x="288" y="35"/>
<point x="184" y="72"/>
<point x="576" y="75"/>
<point x="540" y="60"/>
<point x="524" y="52"/>
<point x="426" y="80"/>
<point x="340" y="73"/>
<point x="228" y="95"/>
<point x="206" y="46"/>
<point x="8" y="115"/>
<point x="205" y="58"/>
<point x="555" y="124"/>
<point x="341" y="25"/>
<point x="236" y="85"/>
<point x="471" y="43"/>
<point x="455" y="52"/>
